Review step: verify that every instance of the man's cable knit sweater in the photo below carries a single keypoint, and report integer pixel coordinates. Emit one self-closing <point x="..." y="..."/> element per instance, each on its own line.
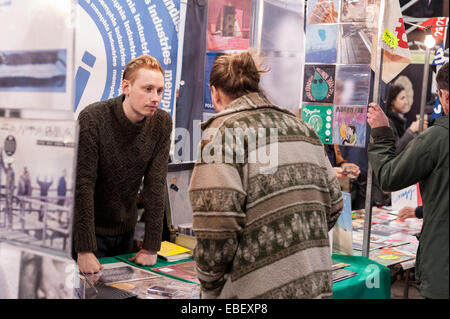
<point x="113" y="156"/>
<point x="263" y="235"/>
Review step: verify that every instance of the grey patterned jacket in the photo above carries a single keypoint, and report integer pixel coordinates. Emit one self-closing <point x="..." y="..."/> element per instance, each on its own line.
<point x="264" y="197"/>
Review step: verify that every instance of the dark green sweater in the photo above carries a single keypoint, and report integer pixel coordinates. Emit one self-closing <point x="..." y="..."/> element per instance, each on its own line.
<point x="426" y="161"/>
<point x="113" y="156"/>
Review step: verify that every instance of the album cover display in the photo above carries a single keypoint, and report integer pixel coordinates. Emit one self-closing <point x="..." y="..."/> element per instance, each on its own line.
<point x="37" y="178"/>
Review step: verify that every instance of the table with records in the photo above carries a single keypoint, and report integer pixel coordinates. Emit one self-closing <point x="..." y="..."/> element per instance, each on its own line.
<point x="355" y="277"/>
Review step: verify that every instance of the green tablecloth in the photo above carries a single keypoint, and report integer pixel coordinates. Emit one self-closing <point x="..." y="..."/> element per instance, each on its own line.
<point x="372" y="281"/>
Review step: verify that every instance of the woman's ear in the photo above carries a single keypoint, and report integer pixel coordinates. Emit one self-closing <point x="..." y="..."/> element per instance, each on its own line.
<point x="216" y="98"/>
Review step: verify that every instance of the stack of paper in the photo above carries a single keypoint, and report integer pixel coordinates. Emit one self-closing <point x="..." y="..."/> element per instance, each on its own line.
<point x="173" y="252"/>
<point x="342" y="274"/>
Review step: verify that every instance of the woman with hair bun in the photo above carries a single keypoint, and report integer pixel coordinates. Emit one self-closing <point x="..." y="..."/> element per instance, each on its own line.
<point x="263" y="195"/>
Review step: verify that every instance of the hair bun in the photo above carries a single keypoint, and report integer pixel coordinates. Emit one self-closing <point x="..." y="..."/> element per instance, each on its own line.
<point x="236" y="74"/>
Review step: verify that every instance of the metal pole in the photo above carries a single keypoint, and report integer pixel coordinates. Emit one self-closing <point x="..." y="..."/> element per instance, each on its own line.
<point x="376" y="99"/>
<point x="409" y="4"/>
<point x="423" y="97"/>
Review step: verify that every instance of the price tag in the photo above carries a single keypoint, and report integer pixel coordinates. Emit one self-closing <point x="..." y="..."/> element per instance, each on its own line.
<point x="390" y="39"/>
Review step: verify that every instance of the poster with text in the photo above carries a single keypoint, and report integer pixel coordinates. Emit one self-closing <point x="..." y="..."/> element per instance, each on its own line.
<point x="112" y="33"/>
<point x="37" y="169"/>
<point x="37" y="54"/>
<point x="349" y="125"/>
<point x="320" y="118"/>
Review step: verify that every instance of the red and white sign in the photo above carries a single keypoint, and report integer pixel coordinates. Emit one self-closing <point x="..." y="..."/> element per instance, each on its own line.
<point x="438" y="30"/>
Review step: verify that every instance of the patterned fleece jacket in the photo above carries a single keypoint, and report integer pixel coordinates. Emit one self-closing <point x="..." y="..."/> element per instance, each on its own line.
<point x="263" y="204"/>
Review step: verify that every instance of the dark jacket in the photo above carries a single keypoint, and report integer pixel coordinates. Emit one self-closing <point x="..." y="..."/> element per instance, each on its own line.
<point x="402" y="134"/>
<point x="425" y="161"/>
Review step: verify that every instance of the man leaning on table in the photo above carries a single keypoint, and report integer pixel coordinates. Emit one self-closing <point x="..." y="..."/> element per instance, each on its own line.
<point x="122" y="140"/>
<point x="425" y="161"/>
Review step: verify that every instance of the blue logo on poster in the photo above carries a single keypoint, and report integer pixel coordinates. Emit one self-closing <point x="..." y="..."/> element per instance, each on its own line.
<point x="130" y="29"/>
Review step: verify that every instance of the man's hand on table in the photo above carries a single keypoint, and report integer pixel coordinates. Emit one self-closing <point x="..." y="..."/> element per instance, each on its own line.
<point x="144" y="258"/>
<point x="88" y="263"/>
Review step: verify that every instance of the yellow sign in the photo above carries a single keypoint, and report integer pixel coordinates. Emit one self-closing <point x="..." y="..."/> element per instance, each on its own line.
<point x="390" y="39"/>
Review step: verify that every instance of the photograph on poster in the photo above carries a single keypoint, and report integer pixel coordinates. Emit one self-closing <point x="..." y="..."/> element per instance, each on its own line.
<point x="37" y="63"/>
<point x="40" y="71"/>
<point x="44" y="276"/>
<point x="353" y="10"/>
<point x="352" y="84"/>
<point x="322" y="11"/>
<point x="229" y="25"/>
<point x="320" y="118"/>
<point x="37" y="162"/>
<point x="319" y="83"/>
<point x="349" y="125"/>
<point x="321" y="43"/>
<point x="355" y="44"/>
<point x="178" y="179"/>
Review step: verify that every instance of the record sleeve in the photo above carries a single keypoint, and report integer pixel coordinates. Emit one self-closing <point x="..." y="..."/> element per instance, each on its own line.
<point x="349" y="125"/>
<point x="185" y="270"/>
<point x="37" y="177"/>
<point x="319" y="83"/>
<point x="321" y="43"/>
<point x="352" y="84"/>
<point x="320" y="118"/>
<point x="322" y="11"/>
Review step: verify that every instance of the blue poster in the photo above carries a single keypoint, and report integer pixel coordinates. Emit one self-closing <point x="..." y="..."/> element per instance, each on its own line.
<point x="210" y="59"/>
<point x="111" y="33"/>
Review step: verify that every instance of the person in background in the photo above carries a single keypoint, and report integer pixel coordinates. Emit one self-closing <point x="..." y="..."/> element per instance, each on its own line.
<point x="61" y="192"/>
<point x="261" y="224"/>
<point x="426" y="161"/>
<point x="396" y="106"/>
<point x="122" y="140"/>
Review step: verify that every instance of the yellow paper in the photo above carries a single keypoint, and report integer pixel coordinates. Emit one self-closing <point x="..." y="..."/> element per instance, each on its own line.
<point x="170" y="249"/>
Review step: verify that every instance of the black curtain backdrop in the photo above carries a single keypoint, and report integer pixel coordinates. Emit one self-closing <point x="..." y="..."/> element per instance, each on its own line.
<point x="191" y="95"/>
